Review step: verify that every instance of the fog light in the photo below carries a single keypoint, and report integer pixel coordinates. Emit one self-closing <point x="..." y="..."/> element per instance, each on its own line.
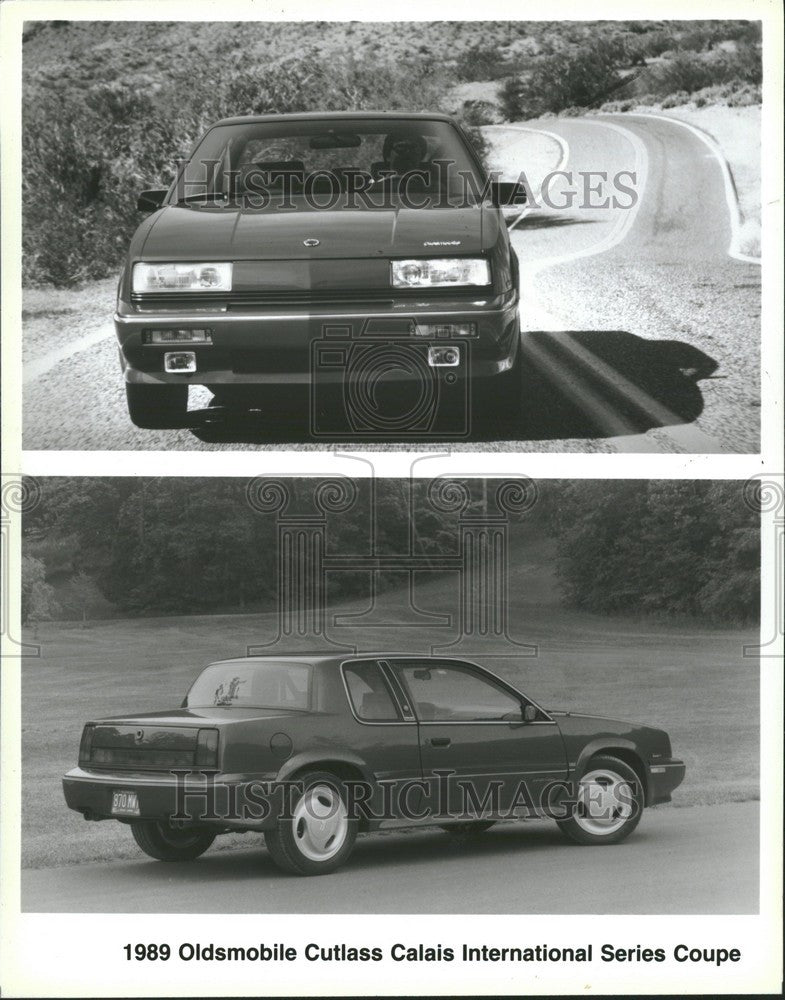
<point x="180" y="361"/>
<point x="446" y="330"/>
<point x="202" y="335"/>
<point x="444" y="357"/>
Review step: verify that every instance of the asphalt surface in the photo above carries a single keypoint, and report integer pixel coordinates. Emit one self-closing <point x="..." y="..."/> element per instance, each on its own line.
<point x="643" y="333"/>
<point x="702" y="859"/>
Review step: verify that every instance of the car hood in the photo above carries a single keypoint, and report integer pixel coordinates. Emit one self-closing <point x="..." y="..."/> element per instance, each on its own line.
<point x="181" y="232"/>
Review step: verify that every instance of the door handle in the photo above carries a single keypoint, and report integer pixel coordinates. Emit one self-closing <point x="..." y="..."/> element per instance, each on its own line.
<point x="440" y="741"/>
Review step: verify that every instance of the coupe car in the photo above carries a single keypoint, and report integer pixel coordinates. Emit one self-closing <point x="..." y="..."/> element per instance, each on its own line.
<point x="312" y="750"/>
<point x="357" y="252"/>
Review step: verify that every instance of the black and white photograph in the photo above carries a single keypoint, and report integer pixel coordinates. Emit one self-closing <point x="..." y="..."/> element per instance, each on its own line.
<point x="529" y="236"/>
<point x="426" y="667"/>
<point x="392" y="517"/>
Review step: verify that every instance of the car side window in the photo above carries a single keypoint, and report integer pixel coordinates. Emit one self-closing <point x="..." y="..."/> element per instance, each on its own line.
<point x="369" y="694"/>
<point x="456" y="693"/>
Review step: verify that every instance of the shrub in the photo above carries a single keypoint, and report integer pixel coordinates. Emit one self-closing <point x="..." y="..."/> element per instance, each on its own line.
<point x="479" y="113"/>
<point x="578" y="78"/>
<point x="480" y="63"/>
<point x="674" y="100"/>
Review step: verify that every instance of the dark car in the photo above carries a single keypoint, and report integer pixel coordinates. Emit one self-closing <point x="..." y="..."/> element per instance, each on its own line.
<point x="339" y="251"/>
<point x="313" y="749"/>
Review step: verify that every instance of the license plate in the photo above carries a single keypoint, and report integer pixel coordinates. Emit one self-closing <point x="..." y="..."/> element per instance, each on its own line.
<point x="125" y="804"/>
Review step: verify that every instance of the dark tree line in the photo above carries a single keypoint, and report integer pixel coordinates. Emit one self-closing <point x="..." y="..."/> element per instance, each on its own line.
<point x="178" y="545"/>
<point x="673" y="547"/>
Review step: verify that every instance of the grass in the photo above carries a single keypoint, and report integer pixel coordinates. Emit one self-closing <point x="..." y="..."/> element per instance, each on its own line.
<point x="689" y="679"/>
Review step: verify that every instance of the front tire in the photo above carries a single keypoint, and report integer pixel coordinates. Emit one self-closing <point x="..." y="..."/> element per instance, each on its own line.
<point x="168" y="843"/>
<point x="319" y="836"/>
<point x="156" y="407"/>
<point x="610" y="803"/>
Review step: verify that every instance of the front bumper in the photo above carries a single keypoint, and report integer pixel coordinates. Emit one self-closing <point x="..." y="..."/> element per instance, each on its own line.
<point x="663" y="777"/>
<point x="296" y="345"/>
<point x="222" y="800"/>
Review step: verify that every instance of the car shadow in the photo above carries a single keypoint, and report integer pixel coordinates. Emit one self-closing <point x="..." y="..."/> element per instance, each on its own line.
<point x="580" y="385"/>
<point x="385" y="850"/>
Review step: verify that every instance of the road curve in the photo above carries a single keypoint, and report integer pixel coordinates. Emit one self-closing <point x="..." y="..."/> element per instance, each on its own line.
<point x="669" y="865"/>
<point x="643" y="334"/>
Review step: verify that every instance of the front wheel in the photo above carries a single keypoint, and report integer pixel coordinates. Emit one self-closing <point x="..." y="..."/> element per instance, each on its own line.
<point x="609" y="803"/>
<point x="169" y="843"/>
<point x="155" y="407"/>
<point x="319" y="836"/>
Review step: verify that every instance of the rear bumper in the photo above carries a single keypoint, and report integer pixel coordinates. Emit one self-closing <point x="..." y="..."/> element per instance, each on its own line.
<point x="298" y="346"/>
<point x="663" y="777"/>
<point x="226" y="801"/>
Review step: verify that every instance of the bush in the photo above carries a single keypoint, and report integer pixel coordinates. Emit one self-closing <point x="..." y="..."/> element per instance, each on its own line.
<point x="675" y="100"/>
<point x="476" y="113"/>
<point x="480" y="63"/>
<point x="566" y="79"/>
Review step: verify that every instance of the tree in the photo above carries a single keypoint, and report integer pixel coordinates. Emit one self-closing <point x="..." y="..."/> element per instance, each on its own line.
<point x="83" y="594"/>
<point x="38" y="597"/>
<point x="566" y="79"/>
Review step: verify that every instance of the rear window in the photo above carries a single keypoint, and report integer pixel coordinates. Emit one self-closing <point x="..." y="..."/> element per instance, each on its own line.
<point x="239" y="684"/>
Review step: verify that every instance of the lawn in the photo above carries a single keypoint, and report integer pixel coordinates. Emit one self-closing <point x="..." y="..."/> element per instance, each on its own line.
<point x="690" y="679"/>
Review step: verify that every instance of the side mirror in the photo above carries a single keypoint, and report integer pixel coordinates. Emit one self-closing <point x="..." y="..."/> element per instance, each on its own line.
<point x="149" y="201"/>
<point x="506" y="194"/>
<point x="529" y="713"/>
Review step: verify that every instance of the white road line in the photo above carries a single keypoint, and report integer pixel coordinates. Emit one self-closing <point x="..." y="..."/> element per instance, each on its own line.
<point x="626" y="217"/>
<point x="32" y="370"/>
<point x="731" y="197"/>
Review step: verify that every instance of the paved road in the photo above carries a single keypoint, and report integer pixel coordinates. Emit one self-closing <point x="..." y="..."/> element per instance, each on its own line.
<point x="643" y="332"/>
<point x="691" y="860"/>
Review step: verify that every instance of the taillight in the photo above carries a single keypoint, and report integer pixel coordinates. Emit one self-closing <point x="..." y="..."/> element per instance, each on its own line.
<point x="207" y="748"/>
<point x="86" y="744"/>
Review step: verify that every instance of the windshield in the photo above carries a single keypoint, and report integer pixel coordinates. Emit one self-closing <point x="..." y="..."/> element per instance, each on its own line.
<point x="253" y="684"/>
<point x="337" y="163"/>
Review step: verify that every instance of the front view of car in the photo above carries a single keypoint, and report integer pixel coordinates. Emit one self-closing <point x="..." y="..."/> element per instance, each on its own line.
<point x="335" y="252"/>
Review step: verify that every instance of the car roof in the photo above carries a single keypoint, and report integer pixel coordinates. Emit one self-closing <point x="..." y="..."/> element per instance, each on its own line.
<point x="337" y="116"/>
<point x="322" y="657"/>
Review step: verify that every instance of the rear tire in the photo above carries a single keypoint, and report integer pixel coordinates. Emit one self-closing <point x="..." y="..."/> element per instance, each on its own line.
<point x="610" y="803"/>
<point x="319" y="837"/>
<point x="156" y="407"/>
<point x="168" y="843"/>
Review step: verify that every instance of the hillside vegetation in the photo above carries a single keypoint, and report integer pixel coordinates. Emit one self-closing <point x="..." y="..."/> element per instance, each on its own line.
<point x="108" y="106"/>
<point x="129" y="546"/>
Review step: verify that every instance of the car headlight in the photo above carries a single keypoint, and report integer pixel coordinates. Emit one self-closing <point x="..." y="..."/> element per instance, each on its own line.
<point x="182" y="277"/>
<point x="440" y="273"/>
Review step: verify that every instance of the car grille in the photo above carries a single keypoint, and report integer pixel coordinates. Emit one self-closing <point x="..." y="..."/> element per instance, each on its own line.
<point x="314" y="298"/>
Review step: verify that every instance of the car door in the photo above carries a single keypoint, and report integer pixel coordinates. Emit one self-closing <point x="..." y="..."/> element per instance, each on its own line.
<point x="471" y="724"/>
<point x="383" y="731"/>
